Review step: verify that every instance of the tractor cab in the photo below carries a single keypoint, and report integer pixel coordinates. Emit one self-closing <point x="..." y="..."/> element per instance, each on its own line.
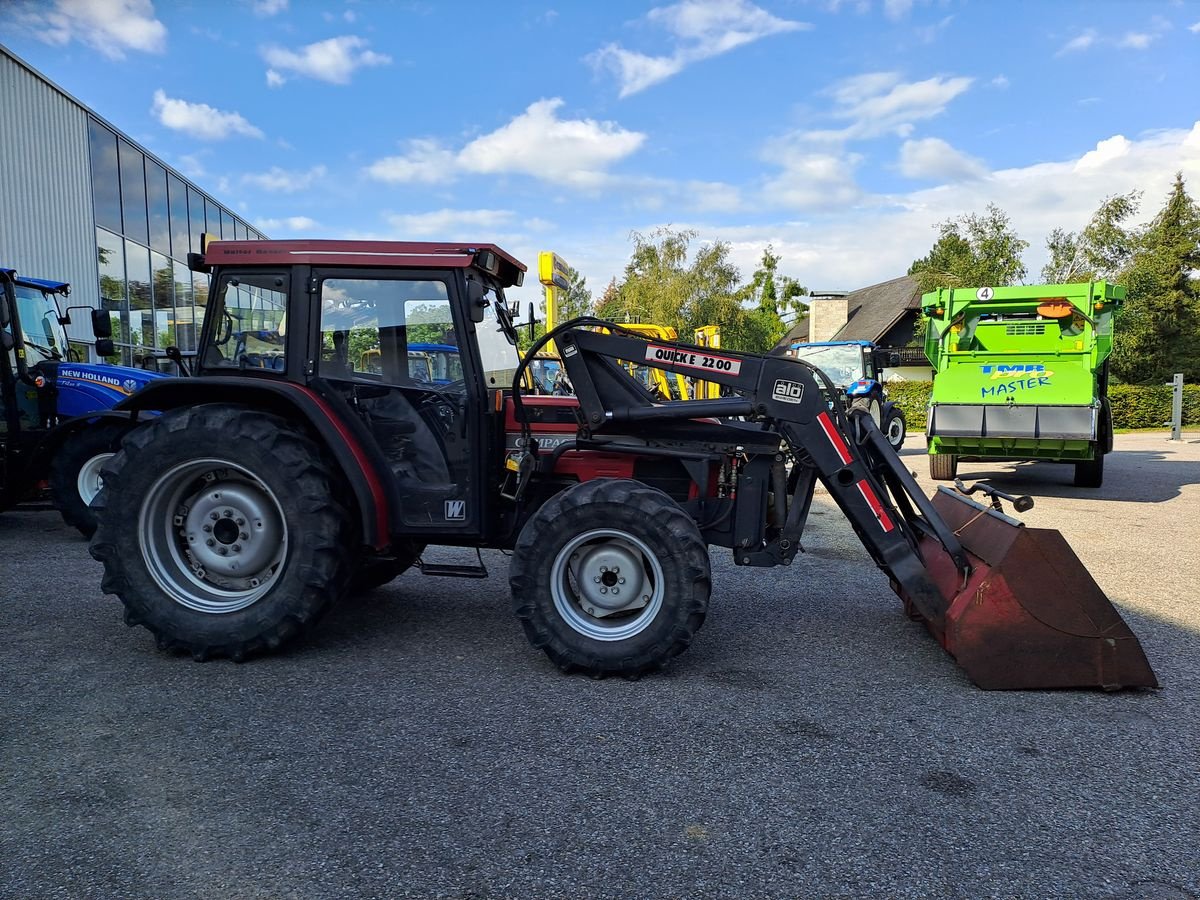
<point x="404" y="344"/>
<point x="854" y="367"/>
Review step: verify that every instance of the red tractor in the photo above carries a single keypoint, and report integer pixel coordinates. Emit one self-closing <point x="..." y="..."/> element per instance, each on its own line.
<point x="309" y="462"/>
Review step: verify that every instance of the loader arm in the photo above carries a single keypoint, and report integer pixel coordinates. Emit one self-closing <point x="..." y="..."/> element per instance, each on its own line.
<point x="1013" y="605"/>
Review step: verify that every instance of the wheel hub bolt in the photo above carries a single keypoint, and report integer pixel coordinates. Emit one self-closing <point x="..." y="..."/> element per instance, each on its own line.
<point x="223" y="551"/>
<point x="620" y="581"/>
<point x="228" y="513"/>
<point x="207" y="527"/>
<point x="213" y="515"/>
<point x="596" y="579"/>
<point x="210" y="542"/>
<point x="240" y="520"/>
<point x="236" y="548"/>
<point x="616" y="590"/>
<point x="604" y="590"/>
<point x="246" y="537"/>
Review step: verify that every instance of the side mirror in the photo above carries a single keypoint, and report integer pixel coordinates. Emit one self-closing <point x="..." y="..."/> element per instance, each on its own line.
<point x="101" y="324"/>
<point x="105" y="347"/>
<point x="476" y="300"/>
<point x="893" y="360"/>
<point x="6" y="341"/>
<point x="5" y="312"/>
<point x="532" y="323"/>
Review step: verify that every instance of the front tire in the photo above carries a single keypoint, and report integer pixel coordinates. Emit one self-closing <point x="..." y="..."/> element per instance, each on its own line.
<point x="896" y="430"/>
<point x="75" y="479"/>
<point x="220" y="533"/>
<point x="611" y="577"/>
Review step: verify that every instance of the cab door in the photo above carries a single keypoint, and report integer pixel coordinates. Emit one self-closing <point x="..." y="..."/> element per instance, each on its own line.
<point x="388" y="342"/>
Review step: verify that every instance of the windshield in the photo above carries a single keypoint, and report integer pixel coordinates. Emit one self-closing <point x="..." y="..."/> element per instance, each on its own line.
<point x="497" y="348"/>
<point x="44" y="337"/>
<point x="841" y="363"/>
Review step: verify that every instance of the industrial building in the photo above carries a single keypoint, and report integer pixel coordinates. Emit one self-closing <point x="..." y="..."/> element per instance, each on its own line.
<point x="83" y="203"/>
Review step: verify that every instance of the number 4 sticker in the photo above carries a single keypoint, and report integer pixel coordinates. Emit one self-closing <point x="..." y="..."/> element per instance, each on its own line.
<point x="985" y="294"/>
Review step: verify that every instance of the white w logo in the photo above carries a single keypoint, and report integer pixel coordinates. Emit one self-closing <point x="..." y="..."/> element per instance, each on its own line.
<point x="456" y="509"/>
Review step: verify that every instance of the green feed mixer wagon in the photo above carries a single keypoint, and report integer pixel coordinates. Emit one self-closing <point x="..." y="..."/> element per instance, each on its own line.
<point x="1021" y="374"/>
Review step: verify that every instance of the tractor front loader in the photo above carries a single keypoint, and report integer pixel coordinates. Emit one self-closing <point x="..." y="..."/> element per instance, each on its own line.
<point x="261" y="494"/>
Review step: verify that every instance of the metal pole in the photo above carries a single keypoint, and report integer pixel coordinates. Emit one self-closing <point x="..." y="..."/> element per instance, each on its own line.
<point x="1177" y="407"/>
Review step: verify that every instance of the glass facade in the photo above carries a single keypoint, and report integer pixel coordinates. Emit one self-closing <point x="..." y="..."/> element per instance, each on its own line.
<point x="147" y="220"/>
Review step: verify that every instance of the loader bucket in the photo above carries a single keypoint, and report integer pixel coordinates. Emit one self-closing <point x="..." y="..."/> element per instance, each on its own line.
<point x="1029" y="615"/>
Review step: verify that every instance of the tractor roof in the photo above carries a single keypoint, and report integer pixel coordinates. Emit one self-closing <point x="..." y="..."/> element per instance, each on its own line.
<point x="408" y="254"/>
<point x="57" y="287"/>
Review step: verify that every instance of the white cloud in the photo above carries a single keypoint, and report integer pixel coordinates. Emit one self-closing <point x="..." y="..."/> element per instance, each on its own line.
<point x="108" y="26"/>
<point x="897" y="9"/>
<point x="450" y="223"/>
<point x="1081" y="41"/>
<point x="811" y="180"/>
<point x="267" y="8"/>
<point x="426" y="162"/>
<point x="288" y="223"/>
<point x="1137" y="40"/>
<point x="274" y="79"/>
<point x="699" y="29"/>
<point x="200" y="120"/>
<point x="575" y="152"/>
<point x="712" y="196"/>
<point x="282" y="181"/>
<point x="935" y="160"/>
<point x="999" y="81"/>
<point x="878" y="103"/>
<point x="1194" y="29"/>
<point x="333" y="60"/>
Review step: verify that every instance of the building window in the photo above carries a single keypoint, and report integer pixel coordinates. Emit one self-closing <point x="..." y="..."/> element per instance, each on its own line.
<point x="179" y="217"/>
<point x="133" y="193"/>
<point x="141" y="304"/>
<point x="106" y="179"/>
<point x="156" y="203"/>
<point x="196" y="217"/>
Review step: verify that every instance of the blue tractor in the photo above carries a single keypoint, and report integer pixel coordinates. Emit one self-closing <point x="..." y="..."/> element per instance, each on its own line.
<point x="854" y="366"/>
<point x="55" y="428"/>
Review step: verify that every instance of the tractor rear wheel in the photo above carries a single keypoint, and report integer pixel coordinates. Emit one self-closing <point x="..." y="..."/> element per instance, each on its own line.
<point x="75" y="473"/>
<point x="611" y="577"/>
<point x="220" y="533"/>
<point x="943" y="466"/>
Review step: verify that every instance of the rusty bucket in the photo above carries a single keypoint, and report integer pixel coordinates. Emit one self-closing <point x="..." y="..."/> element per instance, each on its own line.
<point x="1029" y="615"/>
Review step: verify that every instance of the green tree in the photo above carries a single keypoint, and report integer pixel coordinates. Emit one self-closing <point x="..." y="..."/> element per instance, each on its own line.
<point x="576" y="300"/>
<point x="972" y="250"/>
<point x="667" y="283"/>
<point x="774" y="302"/>
<point x="1158" y="332"/>
<point x="1101" y="250"/>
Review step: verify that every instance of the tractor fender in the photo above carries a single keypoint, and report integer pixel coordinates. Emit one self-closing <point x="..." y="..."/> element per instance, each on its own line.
<point x="342" y="436"/>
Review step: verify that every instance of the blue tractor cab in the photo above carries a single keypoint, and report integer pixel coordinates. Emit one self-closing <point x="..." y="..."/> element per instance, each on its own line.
<point x="854" y="366"/>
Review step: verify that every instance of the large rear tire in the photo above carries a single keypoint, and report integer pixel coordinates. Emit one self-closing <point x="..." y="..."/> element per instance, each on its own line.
<point x="943" y="466"/>
<point x="220" y="533"/>
<point x="75" y="473"/>
<point x="611" y="577"/>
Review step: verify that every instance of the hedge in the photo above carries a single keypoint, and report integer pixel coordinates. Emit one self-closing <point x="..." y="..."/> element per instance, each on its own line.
<point x="1133" y="405"/>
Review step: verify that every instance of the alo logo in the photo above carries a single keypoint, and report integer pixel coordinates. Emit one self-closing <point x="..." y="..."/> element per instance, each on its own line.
<point x="787" y="391"/>
<point x="1030" y="370"/>
<point x="456" y="509"/>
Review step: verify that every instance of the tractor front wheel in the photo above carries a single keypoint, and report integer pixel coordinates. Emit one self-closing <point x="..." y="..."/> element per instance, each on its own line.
<point x="611" y="577"/>
<point x="220" y="532"/>
<point x="75" y="473"/>
<point x="896" y="429"/>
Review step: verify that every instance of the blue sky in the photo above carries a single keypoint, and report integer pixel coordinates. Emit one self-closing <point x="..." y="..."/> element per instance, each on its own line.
<point x="838" y="131"/>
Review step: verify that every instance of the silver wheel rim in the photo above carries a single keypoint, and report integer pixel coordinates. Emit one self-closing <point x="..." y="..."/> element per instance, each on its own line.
<point x="607" y="585"/>
<point x="89" y="481"/>
<point x="895" y="432"/>
<point x="212" y="535"/>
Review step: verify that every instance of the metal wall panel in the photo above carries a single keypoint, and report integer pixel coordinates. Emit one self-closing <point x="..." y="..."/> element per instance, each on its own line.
<point x="47" y="227"/>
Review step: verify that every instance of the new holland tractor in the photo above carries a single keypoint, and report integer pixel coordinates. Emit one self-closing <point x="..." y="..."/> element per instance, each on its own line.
<point x="259" y="496"/>
<point x="854" y="366"/>
<point x="53" y="427"/>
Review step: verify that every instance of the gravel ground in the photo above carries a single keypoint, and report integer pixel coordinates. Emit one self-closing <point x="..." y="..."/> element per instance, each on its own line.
<point x="813" y="742"/>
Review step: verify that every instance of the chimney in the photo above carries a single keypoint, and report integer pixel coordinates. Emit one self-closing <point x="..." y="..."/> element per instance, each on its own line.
<point x="826" y="316"/>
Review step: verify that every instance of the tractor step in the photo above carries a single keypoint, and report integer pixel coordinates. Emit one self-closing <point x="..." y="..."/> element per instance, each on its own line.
<point x="455" y="571"/>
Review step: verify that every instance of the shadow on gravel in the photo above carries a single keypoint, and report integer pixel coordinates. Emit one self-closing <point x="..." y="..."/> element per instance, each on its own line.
<point x="1134" y="476"/>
